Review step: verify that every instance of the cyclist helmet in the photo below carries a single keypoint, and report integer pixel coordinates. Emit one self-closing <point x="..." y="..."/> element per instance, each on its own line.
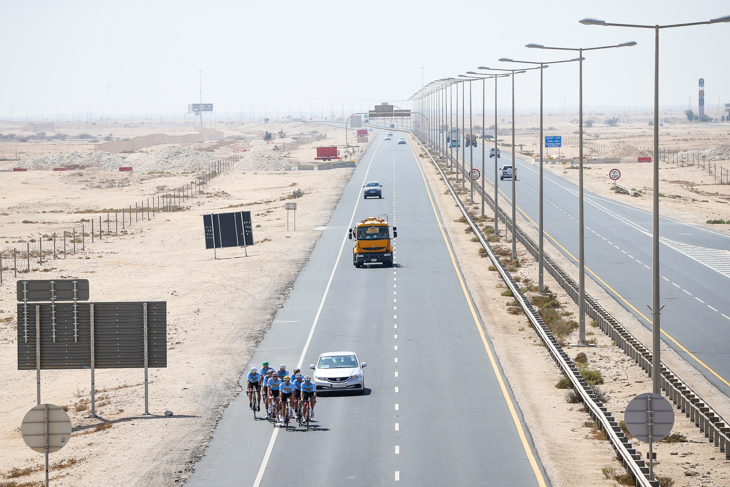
<point x="282" y="366"/>
<point x="299" y="376"/>
<point x="270" y="371"/>
<point x="286" y="378"/>
<point x="297" y="371"/>
<point x="253" y="370"/>
<point x="307" y="378"/>
<point x="265" y="364"/>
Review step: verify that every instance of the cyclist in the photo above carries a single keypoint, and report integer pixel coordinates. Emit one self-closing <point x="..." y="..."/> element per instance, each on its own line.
<point x="309" y="394"/>
<point x="297" y="391"/>
<point x="265" y="369"/>
<point x="265" y="384"/>
<point x="274" y="385"/>
<point x="282" y="372"/>
<point x="253" y="382"/>
<point x="285" y="392"/>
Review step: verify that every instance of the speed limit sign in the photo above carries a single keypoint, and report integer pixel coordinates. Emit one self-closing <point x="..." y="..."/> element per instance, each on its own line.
<point x="475" y="174"/>
<point x="615" y="174"/>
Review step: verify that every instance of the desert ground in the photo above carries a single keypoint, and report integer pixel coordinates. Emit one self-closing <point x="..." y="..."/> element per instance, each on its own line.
<point x="219" y="309"/>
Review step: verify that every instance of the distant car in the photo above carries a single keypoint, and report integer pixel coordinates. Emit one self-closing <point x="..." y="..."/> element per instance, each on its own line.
<point x="491" y="153"/>
<point x="372" y="189"/>
<point x="390" y="134"/>
<point x="339" y="371"/>
<point x="402" y="141"/>
<point x="387" y="137"/>
<point x="505" y="172"/>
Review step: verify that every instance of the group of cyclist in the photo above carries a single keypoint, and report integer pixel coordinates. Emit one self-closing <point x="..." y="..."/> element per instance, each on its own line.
<point x="281" y="387"/>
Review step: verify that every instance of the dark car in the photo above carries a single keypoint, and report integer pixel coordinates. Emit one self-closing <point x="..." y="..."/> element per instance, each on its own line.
<point x="373" y="189"/>
<point x="491" y="152"/>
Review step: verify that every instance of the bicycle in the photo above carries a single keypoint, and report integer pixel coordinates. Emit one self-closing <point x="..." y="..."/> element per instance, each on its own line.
<point x="307" y="413"/>
<point x="286" y="415"/>
<point x="253" y="403"/>
<point x="300" y="415"/>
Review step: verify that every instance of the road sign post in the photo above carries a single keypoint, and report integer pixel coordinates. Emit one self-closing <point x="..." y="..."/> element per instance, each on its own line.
<point x="614" y="174"/>
<point x="46" y="428"/>
<point x="475" y="174"/>
<point x="649" y="418"/>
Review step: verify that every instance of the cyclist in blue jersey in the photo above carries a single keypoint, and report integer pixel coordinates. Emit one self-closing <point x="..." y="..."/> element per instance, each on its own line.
<point x="309" y="393"/>
<point x="274" y="385"/>
<point x="265" y="369"/>
<point x="253" y="382"/>
<point x="282" y="372"/>
<point x="285" y="392"/>
<point x="265" y="386"/>
<point x="298" y="381"/>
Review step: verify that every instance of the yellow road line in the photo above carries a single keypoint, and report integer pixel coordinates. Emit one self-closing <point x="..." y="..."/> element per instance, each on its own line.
<point x="669" y="337"/>
<point x="510" y="404"/>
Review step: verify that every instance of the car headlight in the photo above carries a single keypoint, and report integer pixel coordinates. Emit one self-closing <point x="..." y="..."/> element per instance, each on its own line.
<point x="355" y="377"/>
<point x="316" y="377"/>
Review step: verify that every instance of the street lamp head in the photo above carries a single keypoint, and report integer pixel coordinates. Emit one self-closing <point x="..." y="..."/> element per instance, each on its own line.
<point x="721" y="19"/>
<point x="534" y="46"/>
<point x="483" y="67"/>
<point x="627" y="44"/>
<point x="505" y="60"/>
<point x="471" y="72"/>
<point x="590" y="21"/>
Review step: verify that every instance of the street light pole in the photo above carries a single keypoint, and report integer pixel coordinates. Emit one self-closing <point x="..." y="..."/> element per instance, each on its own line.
<point x="540" y="226"/>
<point x="656" y="275"/>
<point x="582" y="342"/>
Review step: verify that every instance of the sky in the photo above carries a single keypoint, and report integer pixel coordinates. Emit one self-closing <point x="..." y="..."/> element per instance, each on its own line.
<point x="61" y="57"/>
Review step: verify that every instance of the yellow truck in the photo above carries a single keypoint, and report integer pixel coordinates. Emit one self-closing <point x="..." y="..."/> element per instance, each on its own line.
<point x="372" y="242"/>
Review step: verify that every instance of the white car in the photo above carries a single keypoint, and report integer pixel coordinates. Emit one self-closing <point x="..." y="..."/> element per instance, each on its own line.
<point x="339" y="371"/>
<point x="387" y="137"/>
<point x="505" y="172"/>
<point x="402" y="140"/>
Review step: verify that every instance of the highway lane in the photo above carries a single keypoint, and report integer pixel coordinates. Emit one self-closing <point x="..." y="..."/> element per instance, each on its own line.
<point x="695" y="262"/>
<point x="413" y="325"/>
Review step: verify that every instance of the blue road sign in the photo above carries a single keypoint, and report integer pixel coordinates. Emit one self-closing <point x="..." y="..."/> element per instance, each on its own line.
<point x="553" y="141"/>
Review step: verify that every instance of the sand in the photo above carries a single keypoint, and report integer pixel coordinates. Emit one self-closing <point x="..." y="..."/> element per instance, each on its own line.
<point x="217" y="318"/>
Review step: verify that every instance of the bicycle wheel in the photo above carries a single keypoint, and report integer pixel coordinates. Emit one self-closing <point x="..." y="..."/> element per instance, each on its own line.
<point x="307" y="415"/>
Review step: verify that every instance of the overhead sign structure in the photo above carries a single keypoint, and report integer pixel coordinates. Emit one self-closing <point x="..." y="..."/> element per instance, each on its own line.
<point x="614" y="174"/>
<point x="475" y="174"/>
<point x="554" y="141"/>
<point x="200" y="107"/>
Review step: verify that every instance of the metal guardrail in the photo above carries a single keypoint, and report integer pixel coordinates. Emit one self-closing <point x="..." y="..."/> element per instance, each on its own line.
<point x="626" y="453"/>
<point x="685" y="399"/>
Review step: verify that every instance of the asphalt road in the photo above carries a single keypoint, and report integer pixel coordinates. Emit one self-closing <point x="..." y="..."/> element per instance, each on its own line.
<point x="695" y="262"/>
<point x="434" y="411"/>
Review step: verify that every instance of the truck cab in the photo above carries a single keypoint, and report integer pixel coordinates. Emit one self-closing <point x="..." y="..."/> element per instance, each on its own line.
<point x="372" y="242"/>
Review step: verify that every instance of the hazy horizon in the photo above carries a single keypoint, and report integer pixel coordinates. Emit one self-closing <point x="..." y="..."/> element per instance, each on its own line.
<point x="67" y="60"/>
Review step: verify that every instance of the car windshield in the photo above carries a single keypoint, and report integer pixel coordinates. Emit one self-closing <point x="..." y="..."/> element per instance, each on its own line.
<point x="337" y="362"/>
<point x="372" y="232"/>
<point x="372" y="184"/>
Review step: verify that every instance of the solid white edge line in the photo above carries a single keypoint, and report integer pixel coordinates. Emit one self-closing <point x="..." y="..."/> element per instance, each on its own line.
<point x="275" y="433"/>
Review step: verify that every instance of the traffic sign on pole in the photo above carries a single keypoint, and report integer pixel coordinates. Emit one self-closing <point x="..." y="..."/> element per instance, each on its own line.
<point x="614" y="174"/>
<point x="475" y="174"/>
<point x="553" y="141"/>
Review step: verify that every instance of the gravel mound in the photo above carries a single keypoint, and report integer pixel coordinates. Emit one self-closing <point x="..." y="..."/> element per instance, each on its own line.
<point x="76" y="160"/>
<point x="175" y="157"/>
<point x="716" y="153"/>
<point x="262" y="158"/>
<point x="624" y="149"/>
